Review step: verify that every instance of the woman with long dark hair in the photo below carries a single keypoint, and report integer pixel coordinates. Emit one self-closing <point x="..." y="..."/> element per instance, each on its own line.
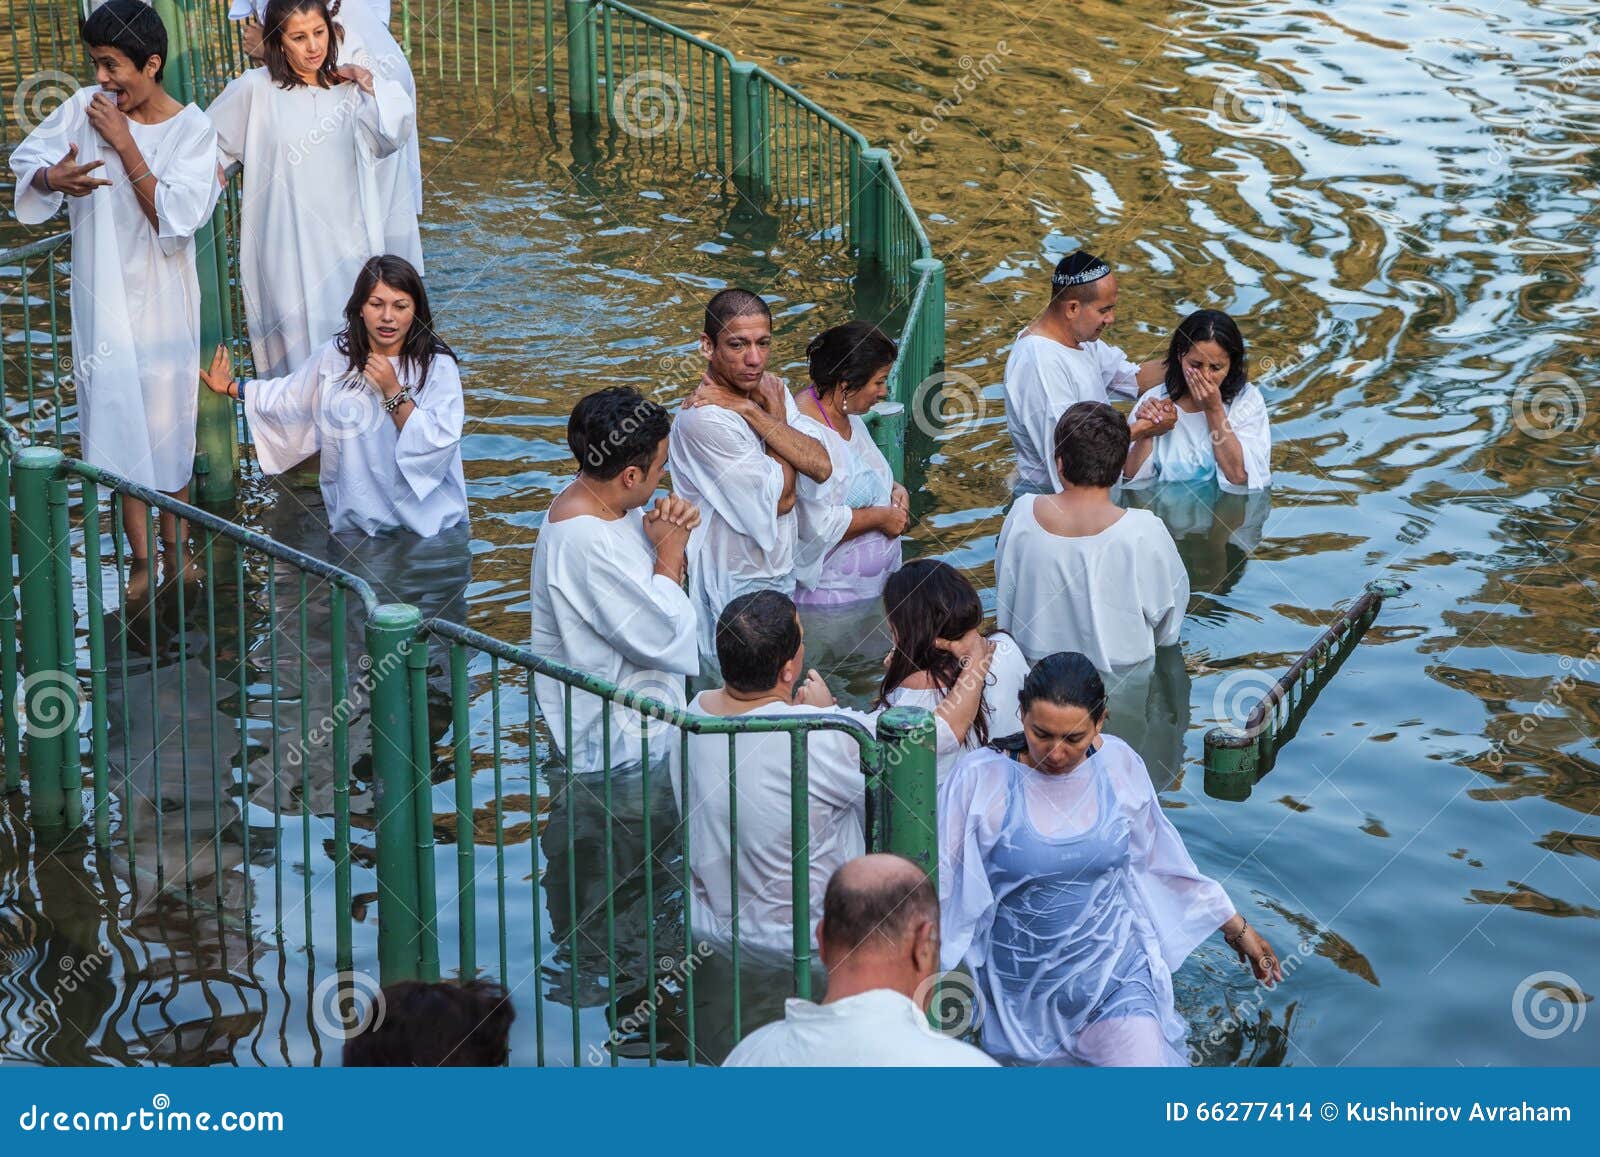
<point x="311" y="132"/>
<point x="934" y="614"/>
<point x="1206" y="420"/>
<point x="1067" y="892"/>
<point x="849" y="524"/>
<point x="382" y="403"/>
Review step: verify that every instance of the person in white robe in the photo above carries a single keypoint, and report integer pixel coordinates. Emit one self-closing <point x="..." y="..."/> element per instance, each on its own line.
<point x="607" y="594"/>
<point x="366" y="41"/>
<point x="382" y="405"/>
<point x="734" y="455"/>
<point x="1074" y="571"/>
<point x="137" y="172"/>
<point x="1067" y="893"/>
<point x="849" y="524"/>
<point x="879" y="940"/>
<point x="761" y="650"/>
<point x="1060" y="359"/>
<point x="1206" y="420"/>
<point x="934" y="615"/>
<point x="310" y="133"/>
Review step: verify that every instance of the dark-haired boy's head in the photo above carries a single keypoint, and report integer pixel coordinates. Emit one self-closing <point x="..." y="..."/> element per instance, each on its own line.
<point x="123" y="36"/>
<point x="442" y="1025"/>
<point x="737" y="340"/>
<point x="1091" y="445"/>
<point x="619" y="429"/>
<point x="759" y="642"/>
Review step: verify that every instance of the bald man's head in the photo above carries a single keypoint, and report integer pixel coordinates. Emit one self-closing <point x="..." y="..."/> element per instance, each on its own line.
<point x="875" y="902"/>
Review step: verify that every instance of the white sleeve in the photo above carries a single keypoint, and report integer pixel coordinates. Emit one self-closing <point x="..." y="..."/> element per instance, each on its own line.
<point x="1040" y="413"/>
<point x="282" y="415"/>
<point x="430" y="441"/>
<point x="43" y="147"/>
<point x="186" y="186"/>
<point x="1184" y="905"/>
<point x="966" y="902"/>
<point x="229" y="114"/>
<point x="385" y="115"/>
<point x="1121" y="376"/>
<point x="646" y="617"/>
<point x="1003" y="598"/>
<point x="1167" y="597"/>
<point x="1251" y="425"/>
<point x="739" y="480"/>
<point x="822" y="515"/>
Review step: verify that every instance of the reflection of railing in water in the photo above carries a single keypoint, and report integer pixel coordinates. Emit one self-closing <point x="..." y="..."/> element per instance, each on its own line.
<point x="1235" y="758"/>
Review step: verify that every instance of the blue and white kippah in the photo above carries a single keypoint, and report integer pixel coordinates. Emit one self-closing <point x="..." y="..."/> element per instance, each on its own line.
<point x="1078" y="268"/>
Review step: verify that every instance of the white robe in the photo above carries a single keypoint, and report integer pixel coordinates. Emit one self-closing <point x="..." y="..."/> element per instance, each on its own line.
<point x="374" y="476"/>
<point x="1044" y="377"/>
<point x="313" y="210"/>
<point x="1186" y="453"/>
<point x="599" y="606"/>
<point x="1114" y="596"/>
<point x="742" y="543"/>
<point x="135" y="293"/>
<point x="1000" y="704"/>
<point x="837" y="819"/>
<point x="1157" y="911"/>
<point x="839" y="571"/>
<point x="877" y="1028"/>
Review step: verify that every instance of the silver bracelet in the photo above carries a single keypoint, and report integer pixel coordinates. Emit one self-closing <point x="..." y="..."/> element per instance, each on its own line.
<point x="390" y="405"/>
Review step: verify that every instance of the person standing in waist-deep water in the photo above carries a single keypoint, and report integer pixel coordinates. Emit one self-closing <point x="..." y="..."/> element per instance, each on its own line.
<point x="310" y="133"/>
<point x="1062" y="358"/>
<point x="137" y="171"/>
<point x="735" y="455"/>
<point x="1067" y="892"/>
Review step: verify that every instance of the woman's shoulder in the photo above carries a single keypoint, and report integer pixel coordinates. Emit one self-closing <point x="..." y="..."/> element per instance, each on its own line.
<point x="1249" y="397"/>
<point x="1126" y="769"/>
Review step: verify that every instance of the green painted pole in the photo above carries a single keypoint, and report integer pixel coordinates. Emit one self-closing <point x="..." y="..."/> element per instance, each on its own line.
<point x="751" y="164"/>
<point x="1230" y="763"/>
<point x="930" y="333"/>
<point x="582" y="81"/>
<point x="35" y="466"/>
<point x="8" y="635"/>
<point x="422" y="804"/>
<point x="911" y="770"/>
<point x="867" y="212"/>
<point x="68" y="691"/>
<point x="390" y="631"/>
<point x="887" y="421"/>
<point x="99" y="693"/>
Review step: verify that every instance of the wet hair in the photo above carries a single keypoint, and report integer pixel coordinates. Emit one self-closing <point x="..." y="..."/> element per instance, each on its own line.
<point x="440" y="1025"/>
<point x="757" y="634"/>
<point x="615" y="428"/>
<point x="1091" y="443"/>
<point x="1065" y="679"/>
<point x="421" y="344"/>
<point x="927" y="600"/>
<point x="848" y="356"/>
<point x="1207" y="325"/>
<point x="1077" y="277"/>
<point x="132" y="27"/>
<point x="277" y="60"/>
<point x="730" y="304"/>
<point x="885" y="910"/>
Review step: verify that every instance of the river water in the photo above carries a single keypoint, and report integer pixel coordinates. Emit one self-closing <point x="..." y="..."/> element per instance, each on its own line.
<point x="1396" y="201"/>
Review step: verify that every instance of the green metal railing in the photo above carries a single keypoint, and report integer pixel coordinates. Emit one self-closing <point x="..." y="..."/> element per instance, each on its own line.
<point x="1237" y="757"/>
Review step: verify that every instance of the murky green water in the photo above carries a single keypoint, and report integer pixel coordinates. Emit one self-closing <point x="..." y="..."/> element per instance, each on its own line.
<point x="1396" y="201"/>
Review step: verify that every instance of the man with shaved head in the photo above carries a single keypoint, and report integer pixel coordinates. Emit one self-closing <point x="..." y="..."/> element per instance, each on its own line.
<point x="880" y="943"/>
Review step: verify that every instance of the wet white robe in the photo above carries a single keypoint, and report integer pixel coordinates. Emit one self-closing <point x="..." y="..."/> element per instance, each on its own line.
<point x="599" y="606"/>
<point x="373" y="475"/>
<point x="827" y="569"/>
<point x="877" y="1028"/>
<point x="1114" y="596"/>
<point x="1186" y="453"/>
<point x="1044" y="377"/>
<point x="1000" y="704"/>
<point x="135" y="293"/>
<point x="742" y="543"/>
<point x="313" y="211"/>
<point x="1145" y="918"/>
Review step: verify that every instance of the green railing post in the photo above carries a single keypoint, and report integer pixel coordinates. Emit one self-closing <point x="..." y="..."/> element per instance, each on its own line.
<point x="582" y="72"/>
<point x="750" y="145"/>
<point x="391" y="630"/>
<point x="1230" y="763"/>
<point x="35" y="467"/>
<point x="67" y="692"/>
<point x="867" y="213"/>
<point x="8" y="635"/>
<point x="911" y="770"/>
<point x="887" y="421"/>
<point x="929" y="332"/>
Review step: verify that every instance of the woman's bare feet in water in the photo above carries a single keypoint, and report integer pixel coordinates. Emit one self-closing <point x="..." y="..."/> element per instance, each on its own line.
<point x="194" y="571"/>
<point x="138" y="580"/>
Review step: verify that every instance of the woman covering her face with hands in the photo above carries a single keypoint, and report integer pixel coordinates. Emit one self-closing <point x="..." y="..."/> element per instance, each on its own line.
<point x="382" y="403"/>
<point x="1206" y="419"/>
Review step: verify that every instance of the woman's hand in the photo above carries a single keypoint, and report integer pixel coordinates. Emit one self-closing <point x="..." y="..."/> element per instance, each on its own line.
<point x="899" y="497"/>
<point x="1253" y="948"/>
<point x="1205" y="388"/>
<point x="219" y="377"/>
<point x="379" y="370"/>
<point x="975" y="652"/>
<point x="1153" y="419"/>
<point x="354" y="72"/>
<point x="893" y="520"/>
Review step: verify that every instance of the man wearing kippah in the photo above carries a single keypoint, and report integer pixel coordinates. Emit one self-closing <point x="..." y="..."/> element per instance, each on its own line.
<point x="1059" y="360"/>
